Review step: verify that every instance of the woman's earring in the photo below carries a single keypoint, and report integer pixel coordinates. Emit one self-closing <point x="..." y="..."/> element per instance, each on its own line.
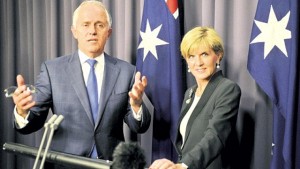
<point x="218" y="65"/>
<point x="189" y="70"/>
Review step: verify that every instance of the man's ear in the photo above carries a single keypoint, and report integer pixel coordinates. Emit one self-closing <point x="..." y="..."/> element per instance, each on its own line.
<point x="109" y="32"/>
<point x="74" y="31"/>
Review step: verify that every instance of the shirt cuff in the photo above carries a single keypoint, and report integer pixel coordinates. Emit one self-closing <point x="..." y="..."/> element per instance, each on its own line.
<point x="20" y="121"/>
<point x="184" y="165"/>
<point x="138" y="115"/>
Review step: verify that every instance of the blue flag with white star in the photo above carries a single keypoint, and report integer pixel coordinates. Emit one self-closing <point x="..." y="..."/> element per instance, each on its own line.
<point x="159" y="59"/>
<point x="273" y="62"/>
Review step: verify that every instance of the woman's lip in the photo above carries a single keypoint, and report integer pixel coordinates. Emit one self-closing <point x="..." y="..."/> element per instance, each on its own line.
<point x="200" y="70"/>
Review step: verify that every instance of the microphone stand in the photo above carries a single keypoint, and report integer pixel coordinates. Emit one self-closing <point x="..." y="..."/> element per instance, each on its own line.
<point x="53" y="127"/>
<point x="56" y="157"/>
<point x="50" y="121"/>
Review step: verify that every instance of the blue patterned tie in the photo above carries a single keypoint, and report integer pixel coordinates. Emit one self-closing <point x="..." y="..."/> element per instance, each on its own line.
<point x="92" y="89"/>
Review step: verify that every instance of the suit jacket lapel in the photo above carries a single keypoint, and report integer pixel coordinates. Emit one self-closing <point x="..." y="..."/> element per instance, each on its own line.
<point x="210" y="88"/>
<point x="111" y="73"/>
<point x="188" y="100"/>
<point x="77" y="82"/>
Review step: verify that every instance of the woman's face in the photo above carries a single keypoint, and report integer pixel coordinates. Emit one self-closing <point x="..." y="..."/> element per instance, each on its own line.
<point x="202" y="63"/>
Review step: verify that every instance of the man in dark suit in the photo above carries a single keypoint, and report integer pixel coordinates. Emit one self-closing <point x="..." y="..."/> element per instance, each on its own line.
<point x="62" y="87"/>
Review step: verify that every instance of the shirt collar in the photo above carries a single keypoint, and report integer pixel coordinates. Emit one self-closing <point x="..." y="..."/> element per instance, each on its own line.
<point x="83" y="57"/>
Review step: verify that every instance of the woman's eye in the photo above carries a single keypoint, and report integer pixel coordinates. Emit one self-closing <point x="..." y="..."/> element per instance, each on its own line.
<point x="204" y="54"/>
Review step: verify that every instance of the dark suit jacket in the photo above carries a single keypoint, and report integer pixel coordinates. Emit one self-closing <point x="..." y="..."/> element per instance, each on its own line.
<point x="61" y="87"/>
<point x="210" y="132"/>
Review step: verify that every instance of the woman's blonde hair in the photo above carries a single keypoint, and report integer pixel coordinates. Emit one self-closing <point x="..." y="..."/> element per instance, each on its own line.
<point x="201" y="36"/>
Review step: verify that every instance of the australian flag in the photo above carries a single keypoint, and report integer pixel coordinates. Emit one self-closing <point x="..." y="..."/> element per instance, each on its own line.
<point x="159" y="59"/>
<point x="273" y="62"/>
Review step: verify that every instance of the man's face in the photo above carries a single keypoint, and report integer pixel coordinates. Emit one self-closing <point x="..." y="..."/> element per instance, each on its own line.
<point x="91" y="30"/>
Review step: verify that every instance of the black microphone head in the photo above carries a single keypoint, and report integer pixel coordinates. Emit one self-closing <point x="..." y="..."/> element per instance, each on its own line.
<point x="128" y="156"/>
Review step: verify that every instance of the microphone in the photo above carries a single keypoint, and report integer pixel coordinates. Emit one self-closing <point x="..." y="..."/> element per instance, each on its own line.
<point x="50" y="121"/>
<point x="53" y="127"/>
<point x="57" y="122"/>
<point x="128" y="155"/>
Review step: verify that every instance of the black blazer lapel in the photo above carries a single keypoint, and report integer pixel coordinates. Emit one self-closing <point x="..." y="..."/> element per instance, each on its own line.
<point x="210" y="88"/>
<point x="187" y="101"/>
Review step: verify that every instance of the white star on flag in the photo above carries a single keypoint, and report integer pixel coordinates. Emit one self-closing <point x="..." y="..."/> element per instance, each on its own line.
<point x="150" y="41"/>
<point x="273" y="33"/>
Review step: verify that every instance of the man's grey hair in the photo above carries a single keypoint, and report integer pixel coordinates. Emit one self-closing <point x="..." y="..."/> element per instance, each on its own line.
<point x="94" y="2"/>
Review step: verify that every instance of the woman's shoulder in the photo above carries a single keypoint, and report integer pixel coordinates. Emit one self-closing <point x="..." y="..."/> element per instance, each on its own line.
<point x="227" y="85"/>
